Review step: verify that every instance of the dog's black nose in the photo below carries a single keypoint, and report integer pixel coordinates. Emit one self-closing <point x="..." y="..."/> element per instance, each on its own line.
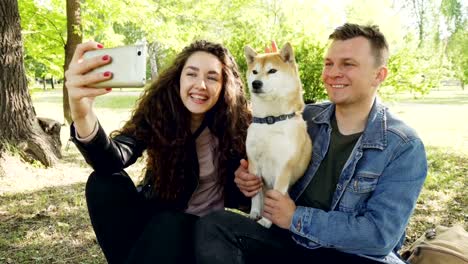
<point x="257" y="85"/>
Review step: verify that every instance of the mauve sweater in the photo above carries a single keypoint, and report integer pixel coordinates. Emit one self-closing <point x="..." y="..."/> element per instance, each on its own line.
<point x="209" y="193"/>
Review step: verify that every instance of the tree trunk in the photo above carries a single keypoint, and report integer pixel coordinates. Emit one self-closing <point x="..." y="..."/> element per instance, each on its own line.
<point x="74" y="37"/>
<point x="152" y="54"/>
<point x="419" y="12"/>
<point x="52" y="85"/>
<point x="19" y="126"/>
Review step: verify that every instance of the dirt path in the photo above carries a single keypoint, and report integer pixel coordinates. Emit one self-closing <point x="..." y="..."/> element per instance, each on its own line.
<point x="439" y="125"/>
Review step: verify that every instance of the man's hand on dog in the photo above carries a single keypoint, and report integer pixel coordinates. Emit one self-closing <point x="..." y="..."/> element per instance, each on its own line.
<point x="279" y="208"/>
<point x="247" y="183"/>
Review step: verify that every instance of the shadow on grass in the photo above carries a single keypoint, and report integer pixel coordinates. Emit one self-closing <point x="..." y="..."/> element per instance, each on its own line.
<point x="47" y="226"/>
<point x="71" y="155"/>
<point x="52" y="225"/>
<point x="444" y="198"/>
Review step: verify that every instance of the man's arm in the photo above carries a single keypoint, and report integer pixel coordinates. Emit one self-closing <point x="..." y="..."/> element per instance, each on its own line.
<point x="377" y="231"/>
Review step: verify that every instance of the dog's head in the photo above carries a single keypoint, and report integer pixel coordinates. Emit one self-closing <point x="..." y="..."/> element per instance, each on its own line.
<point x="272" y="75"/>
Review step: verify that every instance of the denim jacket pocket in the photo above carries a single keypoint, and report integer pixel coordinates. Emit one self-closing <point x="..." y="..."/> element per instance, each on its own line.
<point x="357" y="191"/>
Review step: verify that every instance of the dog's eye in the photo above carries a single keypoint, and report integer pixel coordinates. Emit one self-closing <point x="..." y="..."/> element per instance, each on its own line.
<point x="272" y="71"/>
<point x="254" y="72"/>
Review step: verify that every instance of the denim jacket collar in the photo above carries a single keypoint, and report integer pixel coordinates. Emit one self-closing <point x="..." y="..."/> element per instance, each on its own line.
<point x="375" y="133"/>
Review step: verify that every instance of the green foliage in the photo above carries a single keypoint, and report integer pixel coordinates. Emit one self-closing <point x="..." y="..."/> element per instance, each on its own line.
<point x="413" y="71"/>
<point x="44" y="36"/>
<point x="169" y="25"/>
<point x="256" y="24"/>
<point x="458" y="53"/>
<point x="451" y="9"/>
<point x="309" y="57"/>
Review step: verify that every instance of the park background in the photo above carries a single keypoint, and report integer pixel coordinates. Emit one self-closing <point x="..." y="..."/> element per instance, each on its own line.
<point x="43" y="217"/>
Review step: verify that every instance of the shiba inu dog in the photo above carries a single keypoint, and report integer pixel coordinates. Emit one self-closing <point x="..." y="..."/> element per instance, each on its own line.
<point x="278" y="145"/>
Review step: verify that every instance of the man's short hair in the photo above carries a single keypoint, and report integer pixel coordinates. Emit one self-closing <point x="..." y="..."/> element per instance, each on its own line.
<point x="379" y="45"/>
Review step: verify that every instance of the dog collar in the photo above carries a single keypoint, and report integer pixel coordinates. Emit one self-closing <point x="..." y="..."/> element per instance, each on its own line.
<point x="270" y="120"/>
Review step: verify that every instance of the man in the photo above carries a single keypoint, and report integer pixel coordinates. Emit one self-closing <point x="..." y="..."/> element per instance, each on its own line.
<point x="361" y="186"/>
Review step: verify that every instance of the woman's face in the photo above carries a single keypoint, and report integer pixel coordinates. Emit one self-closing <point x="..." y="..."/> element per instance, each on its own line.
<point x="201" y="82"/>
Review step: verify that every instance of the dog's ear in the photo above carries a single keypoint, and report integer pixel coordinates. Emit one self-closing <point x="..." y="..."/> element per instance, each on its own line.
<point x="249" y="54"/>
<point x="287" y="53"/>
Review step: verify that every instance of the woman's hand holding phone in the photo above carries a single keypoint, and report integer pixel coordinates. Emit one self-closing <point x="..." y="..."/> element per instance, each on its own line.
<point x="80" y="96"/>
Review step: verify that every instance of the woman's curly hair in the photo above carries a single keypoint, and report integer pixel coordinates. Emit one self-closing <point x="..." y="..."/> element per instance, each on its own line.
<point x="163" y="122"/>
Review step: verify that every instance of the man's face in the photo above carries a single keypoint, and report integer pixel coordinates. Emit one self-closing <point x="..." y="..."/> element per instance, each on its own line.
<point x="350" y="74"/>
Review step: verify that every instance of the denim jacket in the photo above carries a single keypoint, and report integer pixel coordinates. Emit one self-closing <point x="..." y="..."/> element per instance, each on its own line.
<point x="376" y="191"/>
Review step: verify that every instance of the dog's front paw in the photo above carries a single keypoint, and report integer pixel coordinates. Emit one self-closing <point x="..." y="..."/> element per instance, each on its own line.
<point x="254" y="215"/>
<point x="264" y="222"/>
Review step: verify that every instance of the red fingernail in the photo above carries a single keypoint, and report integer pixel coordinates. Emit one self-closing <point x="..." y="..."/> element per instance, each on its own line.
<point x="107" y="74"/>
<point x="105" y="57"/>
<point x="100" y="46"/>
<point x="108" y="89"/>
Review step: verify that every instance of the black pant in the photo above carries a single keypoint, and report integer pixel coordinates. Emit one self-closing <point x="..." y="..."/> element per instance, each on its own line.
<point x="129" y="230"/>
<point x="226" y="237"/>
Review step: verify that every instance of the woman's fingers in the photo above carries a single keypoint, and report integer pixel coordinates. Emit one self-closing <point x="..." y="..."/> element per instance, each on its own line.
<point x="84" y="66"/>
<point x="246" y="179"/>
<point x="249" y="194"/>
<point x="249" y="187"/>
<point x="82" y="48"/>
<point x="87" y="79"/>
<point x="76" y="74"/>
<point x="89" y="92"/>
<point x="244" y="164"/>
<point x="249" y="184"/>
<point x="252" y="188"/>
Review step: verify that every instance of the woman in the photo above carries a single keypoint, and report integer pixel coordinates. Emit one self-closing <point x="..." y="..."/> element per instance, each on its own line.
<point x="192" y="122"/>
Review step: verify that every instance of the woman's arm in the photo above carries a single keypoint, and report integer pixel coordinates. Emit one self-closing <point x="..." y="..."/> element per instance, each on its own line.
<point x="107" y="154"/>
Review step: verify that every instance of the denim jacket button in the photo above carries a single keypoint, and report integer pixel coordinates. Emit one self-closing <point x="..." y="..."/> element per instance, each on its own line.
<point x="298" y="225"/>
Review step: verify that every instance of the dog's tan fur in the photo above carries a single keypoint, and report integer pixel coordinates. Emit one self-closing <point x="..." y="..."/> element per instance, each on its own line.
<point x="279" y="152"/>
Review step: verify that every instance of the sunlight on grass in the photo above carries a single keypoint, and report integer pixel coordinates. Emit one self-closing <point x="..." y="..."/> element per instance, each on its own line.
<point x="444" y="198"/>
<point x="47" y="226"/>
<point x="439" y="117"/>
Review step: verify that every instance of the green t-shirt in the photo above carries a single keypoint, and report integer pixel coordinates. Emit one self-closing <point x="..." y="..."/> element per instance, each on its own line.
<point x="319" y="192"/>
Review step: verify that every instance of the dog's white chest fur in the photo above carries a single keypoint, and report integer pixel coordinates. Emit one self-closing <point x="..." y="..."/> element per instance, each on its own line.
<point x="279" y="153"/>
<point x="270" y="147"/>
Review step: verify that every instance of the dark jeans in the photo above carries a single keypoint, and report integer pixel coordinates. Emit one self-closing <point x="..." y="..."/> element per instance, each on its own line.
<point x="226" y="237"/>
<point x="129" y="230"/>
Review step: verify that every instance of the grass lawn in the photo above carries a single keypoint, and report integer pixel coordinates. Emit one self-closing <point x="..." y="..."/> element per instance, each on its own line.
<point x="43" y="216"/>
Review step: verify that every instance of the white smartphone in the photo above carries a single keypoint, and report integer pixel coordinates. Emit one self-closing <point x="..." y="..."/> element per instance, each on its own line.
<point x="128" y="66"/>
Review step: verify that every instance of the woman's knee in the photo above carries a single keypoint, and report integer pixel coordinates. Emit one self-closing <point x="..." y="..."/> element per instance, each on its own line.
<point x="113" y="186"/>
<point x="211" y="223"/>
<point x="217" y="216"/>
<point x="223" y="217"/>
